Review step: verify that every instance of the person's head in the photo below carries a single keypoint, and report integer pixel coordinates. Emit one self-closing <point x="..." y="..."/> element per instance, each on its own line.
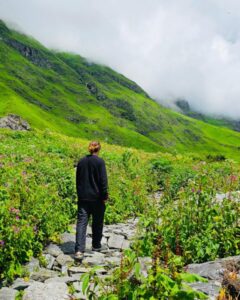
<point x="94" y="147"/>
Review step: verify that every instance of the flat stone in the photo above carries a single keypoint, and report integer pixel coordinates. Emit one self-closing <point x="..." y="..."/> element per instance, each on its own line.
<point x="107" y="234"/>
<point x="66" y="279"/>
<point x="125" y="244"/>
<point x="49" y="259"/>
<point x="211" y="270"/>
<point x="43" y="274"/>
<point x="94" y="253"/>
<point x="94" y="260"/>
<point x="64" y="259"/>
<point x="118" y="231"/>
<point x="64" y="270"/>
<point x="115" y="241"/>
<point x="33" y="265"/>
<point x="7" y="293"/>
<point x="88" y="243"/>
<point x="210" y="288"/>
<point x="104" y="240"/>
<point x="78" y="270"/>
<point x="67" y="242"/>
<point x="67" y="237"/>
<point x="21" y="284"/>
<point x="114" y="260"/>
<point x="58" y="269"/>
<point x="47" y="291"/>
<point x="53" y="250"/>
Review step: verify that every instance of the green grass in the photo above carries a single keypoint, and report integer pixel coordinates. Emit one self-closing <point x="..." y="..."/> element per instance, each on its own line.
<point x="65" y="93"/>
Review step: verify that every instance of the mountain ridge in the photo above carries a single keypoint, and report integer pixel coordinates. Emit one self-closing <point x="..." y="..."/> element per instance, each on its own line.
<point x="224" y="121"/>
<point x="66" y="93"/>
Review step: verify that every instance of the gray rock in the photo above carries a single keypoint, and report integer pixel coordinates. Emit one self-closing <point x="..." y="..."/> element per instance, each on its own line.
<point x="64" y="259"/>
<point x="104" y="240"/>
<point x="94" y="260"/>
<point x="66" y="279"/>
<point x="58" y="269"/>
<point x="211" y="270"/>
<point x="33" y="265"/>
<point x="115" y="260"/>
<point x="67" y="237"/>
<point x="14" y="122"/>
<point x="47" y="291"/>
<point x="64" y="270"/>
<point x="118" y="231"/>
<point x="107" y="234"/>
<point x="229" y="195"/>
<point x="115" y="241"/>
<point x="93" y="253"/>
<point x="43" y="274"/>
<point x="49" y="259"/>
<point x="67" y="243"/>
<point x="7" y="293"/>
<point x="125" y="244"/>
<point x="53" y="250"/>
<point x="21" y="284"/>
<point x="210" y="288"/>
<point x="145" y="263"/>
<point x="79" y="269"/>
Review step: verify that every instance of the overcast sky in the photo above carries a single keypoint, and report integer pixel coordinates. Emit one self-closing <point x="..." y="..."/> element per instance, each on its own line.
<point x="173" y="48"/>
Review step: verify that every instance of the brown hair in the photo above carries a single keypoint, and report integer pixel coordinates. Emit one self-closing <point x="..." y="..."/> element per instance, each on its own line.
<point x="94" y="147"/>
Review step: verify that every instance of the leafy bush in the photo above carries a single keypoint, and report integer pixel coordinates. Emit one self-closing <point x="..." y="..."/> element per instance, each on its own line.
<point x="217" y="157"/>
<point x="196" y="225"/>
<point x="128" y="282"/>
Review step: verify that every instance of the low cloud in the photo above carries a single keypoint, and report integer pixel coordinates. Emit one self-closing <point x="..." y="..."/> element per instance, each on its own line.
<point x="174" y="49"/>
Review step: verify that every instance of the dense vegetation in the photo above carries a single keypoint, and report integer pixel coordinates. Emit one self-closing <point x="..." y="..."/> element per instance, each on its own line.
<point x="68" y="94"/>
<point x="187" y="224"/>
<point x="37" y="190"/>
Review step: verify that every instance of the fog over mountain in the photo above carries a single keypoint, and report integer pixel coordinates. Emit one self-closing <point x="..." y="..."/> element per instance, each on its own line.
<point x="184" y="49"/>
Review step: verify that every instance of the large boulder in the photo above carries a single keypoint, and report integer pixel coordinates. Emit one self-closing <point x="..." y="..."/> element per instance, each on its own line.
<point x="47" y="291"/>
<point x="14" y="122"/>
<point x="214" y="271"/>
<point x="7" y="293"/>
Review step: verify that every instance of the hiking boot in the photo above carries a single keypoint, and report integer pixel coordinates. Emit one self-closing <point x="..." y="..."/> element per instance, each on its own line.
<point x="100" y="249"/>
<point x="79" y="255"/>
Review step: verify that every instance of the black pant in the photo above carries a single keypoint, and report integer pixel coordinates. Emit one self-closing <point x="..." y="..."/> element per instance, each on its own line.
<point x="85" y="209"/>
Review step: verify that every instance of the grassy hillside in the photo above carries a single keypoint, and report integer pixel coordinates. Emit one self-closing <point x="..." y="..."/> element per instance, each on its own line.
<point x="70" y="95"/>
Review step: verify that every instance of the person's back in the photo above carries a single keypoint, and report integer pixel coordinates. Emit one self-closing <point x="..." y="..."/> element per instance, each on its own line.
<point x="92" y="191"/>
<point x="91" y="178"/>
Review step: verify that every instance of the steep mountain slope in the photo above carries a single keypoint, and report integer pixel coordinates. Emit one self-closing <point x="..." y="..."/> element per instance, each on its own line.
<point x="68" y="94"/>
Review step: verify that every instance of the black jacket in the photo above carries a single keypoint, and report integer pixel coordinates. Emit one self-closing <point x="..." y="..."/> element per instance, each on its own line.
<point x="91" y="178"/>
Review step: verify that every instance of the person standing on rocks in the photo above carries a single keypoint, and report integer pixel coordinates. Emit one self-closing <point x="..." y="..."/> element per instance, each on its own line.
<point x="92" y="191"/>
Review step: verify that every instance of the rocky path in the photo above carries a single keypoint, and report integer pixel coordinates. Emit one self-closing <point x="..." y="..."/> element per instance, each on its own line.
<point x="58" y="276"/>
<point x="50" y="280"/>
